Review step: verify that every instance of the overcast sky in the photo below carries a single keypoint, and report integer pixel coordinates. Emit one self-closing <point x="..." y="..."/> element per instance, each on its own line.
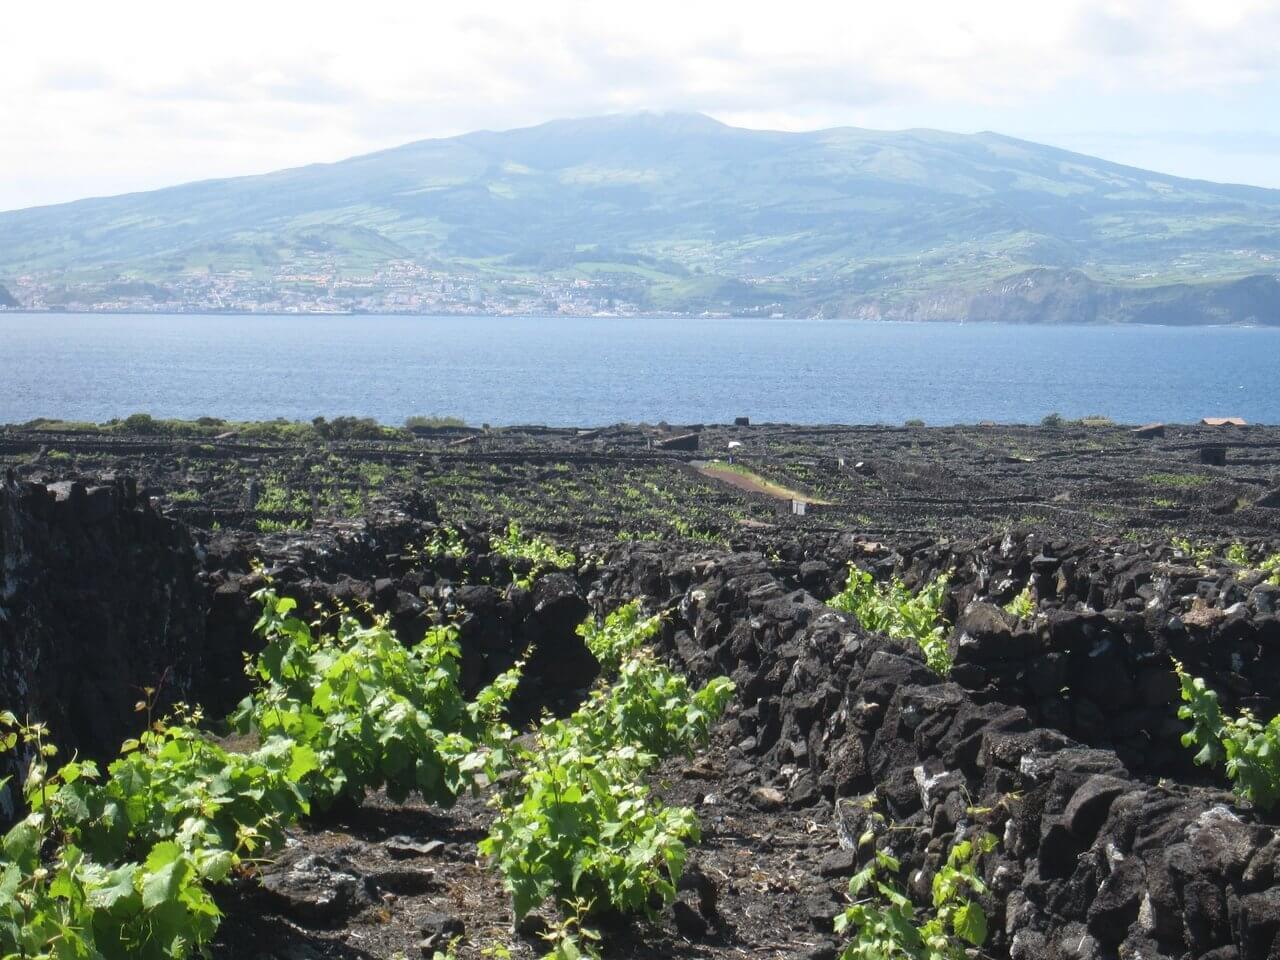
<point x="101" y="98"/>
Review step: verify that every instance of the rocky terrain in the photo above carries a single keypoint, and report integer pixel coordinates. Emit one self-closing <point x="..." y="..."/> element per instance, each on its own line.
<point x="129" y="560"/>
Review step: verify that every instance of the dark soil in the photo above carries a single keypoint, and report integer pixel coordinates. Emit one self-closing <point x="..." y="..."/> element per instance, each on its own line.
<point x="1059" y="734"/>
<point x="1074" y="481"/>
<point x="765" y="867"/>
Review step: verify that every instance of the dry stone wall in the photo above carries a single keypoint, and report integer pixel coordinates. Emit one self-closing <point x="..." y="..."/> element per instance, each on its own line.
<point x="1095" y="860"/>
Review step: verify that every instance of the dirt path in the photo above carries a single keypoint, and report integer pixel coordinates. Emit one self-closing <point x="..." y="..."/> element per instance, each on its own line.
<point x="744" y="479"/>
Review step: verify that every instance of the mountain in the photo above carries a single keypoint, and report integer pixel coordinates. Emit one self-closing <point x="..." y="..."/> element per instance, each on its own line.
<point x="6" y="298"/>
<point x="680" y="212"/>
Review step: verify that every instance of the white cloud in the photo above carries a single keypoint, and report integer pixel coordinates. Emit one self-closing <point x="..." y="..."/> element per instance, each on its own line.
<point x="97" y="98"/>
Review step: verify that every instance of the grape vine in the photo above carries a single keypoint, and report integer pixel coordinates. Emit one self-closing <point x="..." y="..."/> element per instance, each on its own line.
<point x="120" y="864"/>
<point x="883" y="921"/>
<point x="890" y="608"/>
<point x="581" y="827"/>
<point x="1248" y="749"/>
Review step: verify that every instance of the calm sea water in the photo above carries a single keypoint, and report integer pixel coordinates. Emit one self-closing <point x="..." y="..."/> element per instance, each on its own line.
<point x="597" y="371"/>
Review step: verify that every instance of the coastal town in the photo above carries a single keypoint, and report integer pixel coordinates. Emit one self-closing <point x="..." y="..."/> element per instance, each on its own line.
<point x="398" y="287"/>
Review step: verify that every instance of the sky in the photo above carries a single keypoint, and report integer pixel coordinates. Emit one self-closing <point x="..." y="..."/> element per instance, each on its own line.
<point x="98" y="99"/>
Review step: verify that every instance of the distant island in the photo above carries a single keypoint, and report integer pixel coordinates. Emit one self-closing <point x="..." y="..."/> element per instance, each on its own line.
<point x="673" y="214"/>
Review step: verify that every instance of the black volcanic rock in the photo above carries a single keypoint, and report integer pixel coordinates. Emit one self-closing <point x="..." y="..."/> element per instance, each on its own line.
<point x="1088" y="852"/>
<point x="99" y="598"/>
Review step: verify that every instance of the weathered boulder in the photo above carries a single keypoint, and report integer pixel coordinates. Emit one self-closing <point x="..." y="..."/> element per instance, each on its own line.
<point x="316" y="890"/>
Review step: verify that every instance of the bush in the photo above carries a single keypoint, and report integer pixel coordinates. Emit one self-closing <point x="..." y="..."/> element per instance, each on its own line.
<point x="1052" y="420"/>
<point x="375" y="712"/>
<point x="1248" y="749"/>
<point x="280" y="429"/>
<point x="585" y="827"/>
<point x="649" y="707"/>
<point x="119" y="868"/>
<point x="142" y="423"/>
<point x="1271" y="567"/>
<point x="444" y="541"/>
<point x="350" y="428"/>
<point x="65" y="894"/>
<point x="581" y="827"/>
<point x="540" y="554"/>
<point x="620" y="635"/>
<point x="432" y="422"/>
<point x="890" y="608"/>
<point x="174" y="784"/>
<point x="1023" y="606"/>
<point x="883" y="919"/>
<point x="267" y="525"/>
<point x="1095" y="420"/>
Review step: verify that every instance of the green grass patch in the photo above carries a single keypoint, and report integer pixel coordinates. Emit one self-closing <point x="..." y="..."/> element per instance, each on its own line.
<point x="723" y="470"/>
<point x="1180" y="481"/>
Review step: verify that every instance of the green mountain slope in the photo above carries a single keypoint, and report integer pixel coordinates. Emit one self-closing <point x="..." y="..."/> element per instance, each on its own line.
<point x="681" y="212"/>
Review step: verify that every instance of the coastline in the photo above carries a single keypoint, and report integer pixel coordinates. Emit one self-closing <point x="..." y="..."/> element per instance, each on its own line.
<point x="654" y="315"/>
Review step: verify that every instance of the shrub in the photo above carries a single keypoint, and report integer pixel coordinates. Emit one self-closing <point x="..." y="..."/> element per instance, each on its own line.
<point x="444" y="542"/>
<point x="375" y="712"/>
<point x="1271" y="567"/>
<point x="1052" y="420"/>
<point x="119" y="867"/>
<point x="1199" y="555"/>
<point x="278" y="430"/>
<point x="890" y="608"/>
<point x="581" y="828"/>
<point x="58" y="901"/>
<point x="883" y="919"/>
<point x="267" y="525"/>
<point x="173" y="784"/>
<point x="350" y="428"/>
<point x="1185" y="481"/>
<point x="585" y="827"/>
<point x="430" y="422"/>
<point x="651" y="708"/>
<point x="1248" y="749"/>
<point x="70" y="906"/>
<point x="1022" y="606"/>
<point x="539" y="553"/>
<point x="140" y="423"/>
<point x="620" y="634"/>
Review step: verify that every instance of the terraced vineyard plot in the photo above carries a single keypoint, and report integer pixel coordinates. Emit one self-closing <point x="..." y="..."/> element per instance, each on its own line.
<point x="609" y="482"/>
<point x="1003" y="669"/>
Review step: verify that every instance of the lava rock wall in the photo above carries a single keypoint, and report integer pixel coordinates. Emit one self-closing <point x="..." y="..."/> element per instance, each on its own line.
<point x="99" y="599"/>
<point x="1095" y="661"/>
<point x="377" y="565"/>
<point x="1095" y="859"/>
